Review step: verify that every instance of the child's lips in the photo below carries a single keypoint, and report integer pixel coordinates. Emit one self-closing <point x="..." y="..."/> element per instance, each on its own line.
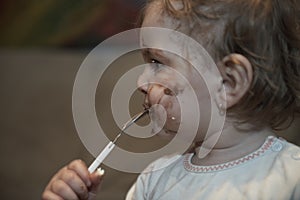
<point x="146" y="106"/>
<point x="170" y="132"/>
<point x="150" y="101"/>
<point x="163" y="120"/>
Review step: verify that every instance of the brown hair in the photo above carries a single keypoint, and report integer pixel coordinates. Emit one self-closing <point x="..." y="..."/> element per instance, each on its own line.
<point x="267" y="33"/>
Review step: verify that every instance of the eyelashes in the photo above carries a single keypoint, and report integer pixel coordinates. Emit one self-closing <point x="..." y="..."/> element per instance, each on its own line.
<point x="155" y="63"/>
<point x="154" y="60"/>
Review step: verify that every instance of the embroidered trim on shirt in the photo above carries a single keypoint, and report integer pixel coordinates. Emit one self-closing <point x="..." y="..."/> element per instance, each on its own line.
<point x="212" y="168"/>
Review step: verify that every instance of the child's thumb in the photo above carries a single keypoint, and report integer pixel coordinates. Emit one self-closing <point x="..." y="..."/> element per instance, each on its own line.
<point x="96" y="179"/>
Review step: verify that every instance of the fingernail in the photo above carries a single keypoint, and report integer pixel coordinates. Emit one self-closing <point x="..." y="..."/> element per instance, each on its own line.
<point x="100" y="172"/>
<point x="88" y="183"/>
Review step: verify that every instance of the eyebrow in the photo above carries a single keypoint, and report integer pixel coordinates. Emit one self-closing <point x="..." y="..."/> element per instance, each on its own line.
<point x="152" y="51"/>
<point x="155" y="54"/>
<point x="147" y="51"/>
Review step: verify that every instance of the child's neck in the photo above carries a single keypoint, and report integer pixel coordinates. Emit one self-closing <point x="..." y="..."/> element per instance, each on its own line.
<point x="233" y="145"/>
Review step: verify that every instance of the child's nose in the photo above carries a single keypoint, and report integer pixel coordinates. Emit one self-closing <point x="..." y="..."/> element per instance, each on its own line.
<point x="142" y="83"/>
<point x="143" y="88"/>
<point x="153" y="93"/>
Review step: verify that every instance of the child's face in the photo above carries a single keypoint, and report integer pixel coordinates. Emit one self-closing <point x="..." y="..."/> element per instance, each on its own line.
<point x="161" y="84"/>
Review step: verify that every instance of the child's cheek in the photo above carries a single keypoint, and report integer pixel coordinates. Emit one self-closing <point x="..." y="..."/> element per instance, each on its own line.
<point x="173" y="114"/>
<point x="171" y="79"/>
<point x="168" y="114"/>
<point x="158" y="118"/>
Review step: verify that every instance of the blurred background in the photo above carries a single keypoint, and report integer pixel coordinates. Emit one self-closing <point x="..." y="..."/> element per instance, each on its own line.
<point x="65" y="23"/>
<point x="42" y="45"/>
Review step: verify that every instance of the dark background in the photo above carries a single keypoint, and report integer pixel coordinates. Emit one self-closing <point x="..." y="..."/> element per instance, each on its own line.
<point x="42" y="44"/>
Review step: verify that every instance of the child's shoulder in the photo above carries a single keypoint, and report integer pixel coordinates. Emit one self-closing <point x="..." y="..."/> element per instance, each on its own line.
<point x="290" y="153"/>
<point x="286" y="166"/>
<point x="162" y="163"/>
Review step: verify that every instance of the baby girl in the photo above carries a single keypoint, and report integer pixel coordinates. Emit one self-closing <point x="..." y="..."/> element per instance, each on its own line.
<point x="255" y="45"/>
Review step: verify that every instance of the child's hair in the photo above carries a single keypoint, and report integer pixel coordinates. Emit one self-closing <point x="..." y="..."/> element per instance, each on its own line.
<point x="267" y="33"/>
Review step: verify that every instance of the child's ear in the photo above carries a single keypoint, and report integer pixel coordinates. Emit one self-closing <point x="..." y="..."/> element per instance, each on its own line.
<point x="237" y="74"/>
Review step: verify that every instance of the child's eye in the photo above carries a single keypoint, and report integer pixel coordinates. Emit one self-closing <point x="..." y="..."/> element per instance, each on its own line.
<point x="156" y="62"/>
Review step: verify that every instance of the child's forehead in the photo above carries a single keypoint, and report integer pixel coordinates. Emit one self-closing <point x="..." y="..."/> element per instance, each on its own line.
<point x="157" y="43"/>
<point x="155" y="17"/>
<point x="177" y="40"/>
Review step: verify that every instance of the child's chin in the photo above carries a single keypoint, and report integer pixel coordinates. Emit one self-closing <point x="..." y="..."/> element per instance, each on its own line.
<point x="165" y="134"/>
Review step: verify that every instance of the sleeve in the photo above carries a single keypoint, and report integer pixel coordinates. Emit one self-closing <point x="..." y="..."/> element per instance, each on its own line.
<point x="296" y="193"/>
<point x="138" y="190"/>
<point x="142" y="188"/>
<point x="291" y="168"/>
<point x="130" y="193"/>
<point x="145" y="185"/>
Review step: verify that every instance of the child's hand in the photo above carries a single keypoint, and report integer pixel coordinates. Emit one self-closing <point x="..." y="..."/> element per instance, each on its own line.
<point x="73" y="182"/>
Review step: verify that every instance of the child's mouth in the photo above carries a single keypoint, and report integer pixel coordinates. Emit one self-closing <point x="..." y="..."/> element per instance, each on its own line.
<point x="164" y="115"/>
<point x="170" y="132"/>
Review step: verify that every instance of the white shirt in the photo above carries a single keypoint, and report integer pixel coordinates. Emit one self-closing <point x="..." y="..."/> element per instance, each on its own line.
<point x="271" y="172"/>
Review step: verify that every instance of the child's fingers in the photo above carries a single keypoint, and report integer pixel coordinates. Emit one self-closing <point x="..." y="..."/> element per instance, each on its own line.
<point x="96" y="179"/>
<point x="81" y="169"/>
<point x="75" y="183"/>
<point x="47" y="195"/>
<point x="63" y="190"/>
